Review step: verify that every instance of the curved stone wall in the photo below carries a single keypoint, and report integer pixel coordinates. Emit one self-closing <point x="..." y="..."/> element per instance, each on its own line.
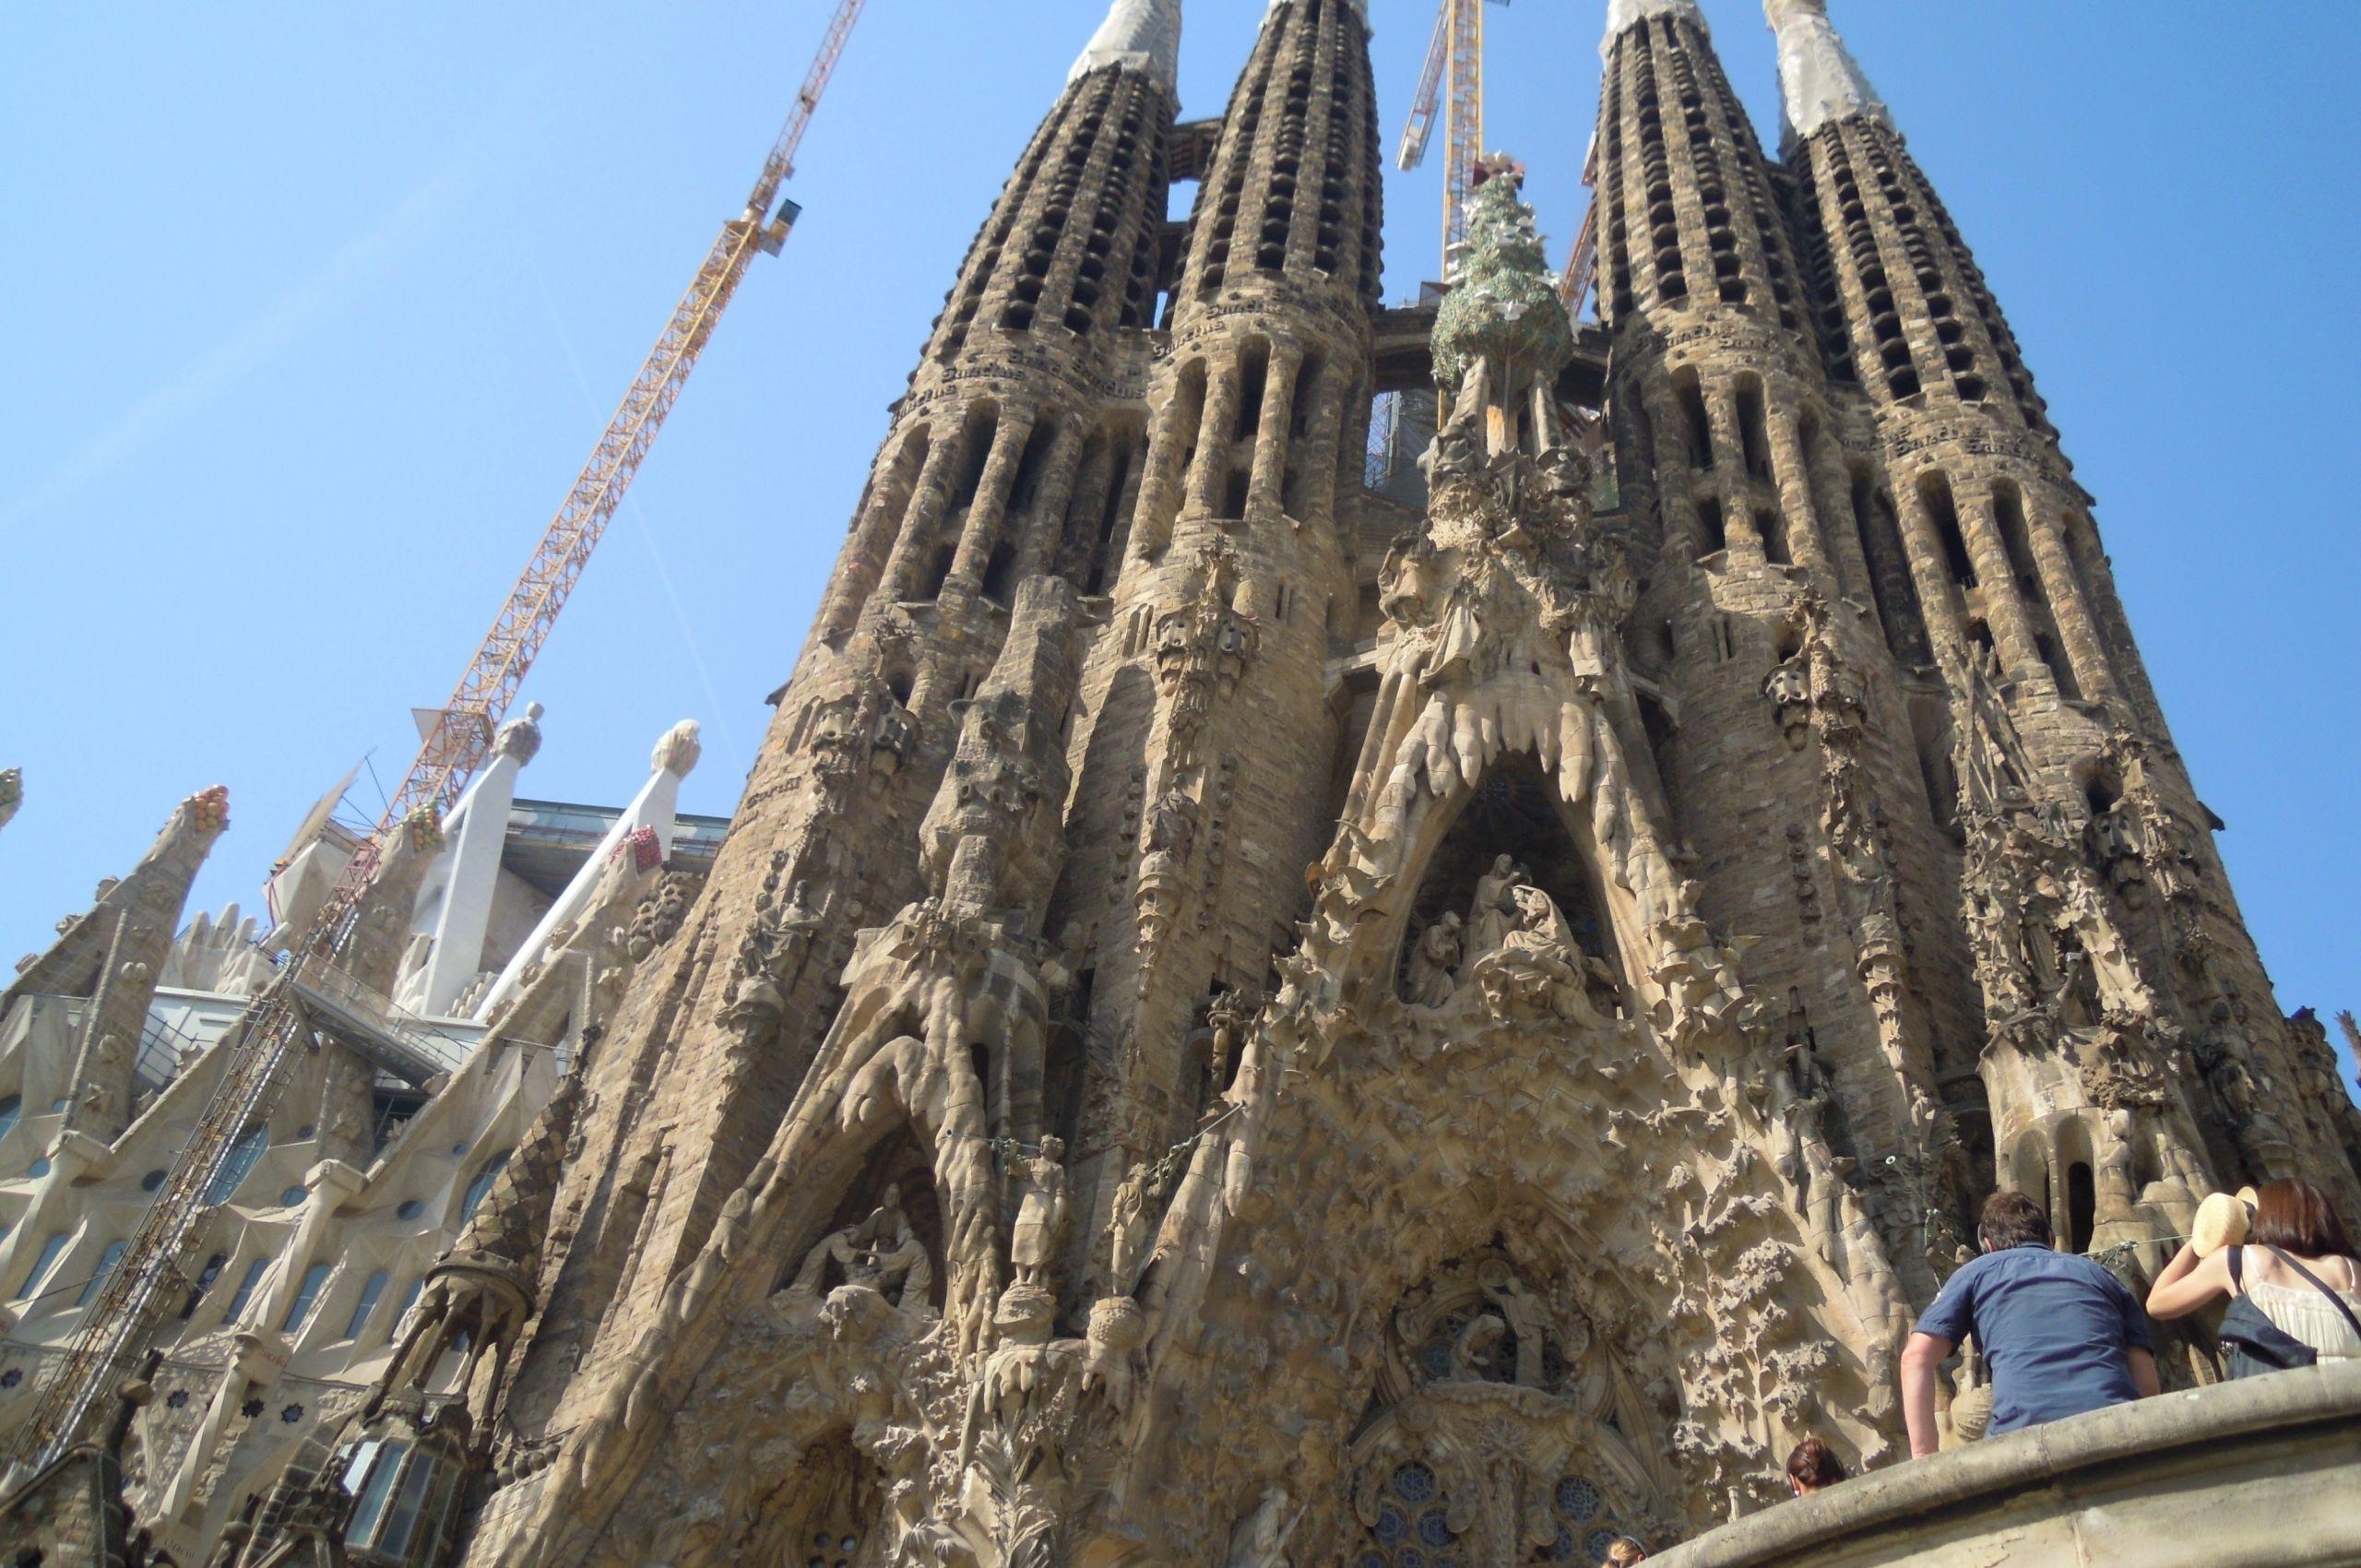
<point x="2266" y="1471"/>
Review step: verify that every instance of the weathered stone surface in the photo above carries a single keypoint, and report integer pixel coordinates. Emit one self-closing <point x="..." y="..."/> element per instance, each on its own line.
<point x="1245" y="1019"/>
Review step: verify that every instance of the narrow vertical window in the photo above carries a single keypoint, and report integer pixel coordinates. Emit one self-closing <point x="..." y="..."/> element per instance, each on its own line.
<point x="245" y="1292"/>
<point x="370" y="1289"/>
<point x="107" y="1260"/>
<point x="307" y="1295"/>
<point x="43" y="1265"/>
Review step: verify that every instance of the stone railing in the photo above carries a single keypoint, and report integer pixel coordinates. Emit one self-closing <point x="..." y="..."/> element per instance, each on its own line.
<point x="2262" y="1471"/>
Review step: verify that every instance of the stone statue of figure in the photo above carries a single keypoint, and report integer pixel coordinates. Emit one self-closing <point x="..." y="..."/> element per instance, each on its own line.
<point x="1493" y="913"/>
<point x="852" y="1248"/>
<point x="1434" y="963"/>
<point x="1128" y="1228"/>
<point x="1041" y="1217"/>
<point x="1260" y="1540"/>
<point x="1527" y="1314"/>
<point x="1540" y="926"/>
<point x="898" y="1268"/>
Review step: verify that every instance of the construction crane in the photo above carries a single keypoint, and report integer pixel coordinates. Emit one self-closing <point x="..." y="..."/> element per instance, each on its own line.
<point x="108" y="1342"/>
<point x="1451" y="86"/>
<point x="1582" y="264"/>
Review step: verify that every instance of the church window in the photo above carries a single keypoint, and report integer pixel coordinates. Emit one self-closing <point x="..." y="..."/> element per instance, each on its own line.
<point x="107" y="1260"/>
<point x="245" y="1292"/>
<point x="1698" y="427"/>
<point x="1709" y="525"/>
<point x="2081" y="1206"/>
<point x="1942" y="511"/>
<point x="366" y="1304"/>
<point x="1753" y="435"/>
<point x="11" y="1108"/>
<point x="47" y="1260"/>
<point x="409" y="1299"/>
<point x="485" y="1175"/>
<point x="307" y="1295"/>
<point x="244" y="1155"/>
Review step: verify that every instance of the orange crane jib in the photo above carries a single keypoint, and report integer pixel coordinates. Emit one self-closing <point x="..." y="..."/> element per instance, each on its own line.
<point x="108" y="1341"/>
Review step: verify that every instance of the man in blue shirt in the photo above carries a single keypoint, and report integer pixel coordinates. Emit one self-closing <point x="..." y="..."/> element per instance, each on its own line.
<point x="2059" y="1334"/>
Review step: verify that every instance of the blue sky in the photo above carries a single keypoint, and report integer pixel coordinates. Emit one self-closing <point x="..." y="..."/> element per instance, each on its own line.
<point x="314" y="311"/>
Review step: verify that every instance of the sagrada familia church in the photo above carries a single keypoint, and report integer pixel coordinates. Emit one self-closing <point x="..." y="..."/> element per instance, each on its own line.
<point x="1255" y="1012"/>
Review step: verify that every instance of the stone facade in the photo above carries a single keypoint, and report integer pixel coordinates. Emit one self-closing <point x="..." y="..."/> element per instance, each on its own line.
<point x="1247" y="1020"/>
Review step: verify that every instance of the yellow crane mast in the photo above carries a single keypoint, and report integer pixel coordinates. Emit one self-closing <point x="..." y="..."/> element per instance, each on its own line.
<point x="1451" y="86"/>
<point x="108" y="1341"/>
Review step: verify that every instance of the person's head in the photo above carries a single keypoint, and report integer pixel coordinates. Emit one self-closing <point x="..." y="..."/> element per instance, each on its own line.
<point x="1624" y="1553"/>
<point x="1812" y="1465"/>
<point x="2297" y="1215"/>
<point x="2011" y="1220"/>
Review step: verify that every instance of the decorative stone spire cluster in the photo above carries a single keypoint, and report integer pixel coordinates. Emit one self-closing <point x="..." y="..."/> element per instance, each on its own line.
<point x="1818" y="80"/>
<point x="1139" y="35"/>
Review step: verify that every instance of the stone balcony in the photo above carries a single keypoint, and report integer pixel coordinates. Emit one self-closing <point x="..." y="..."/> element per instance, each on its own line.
<point x="2266" y="1471"/>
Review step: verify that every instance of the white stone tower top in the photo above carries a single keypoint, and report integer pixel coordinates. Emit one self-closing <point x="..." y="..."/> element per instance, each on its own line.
<point x="1819" y="81"/>
<point x="1139" y="35"/>
<point x="1622" y="14"/>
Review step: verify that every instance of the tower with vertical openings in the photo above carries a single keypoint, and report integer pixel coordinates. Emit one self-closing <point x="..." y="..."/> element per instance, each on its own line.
<point x="1247" y="1017"/>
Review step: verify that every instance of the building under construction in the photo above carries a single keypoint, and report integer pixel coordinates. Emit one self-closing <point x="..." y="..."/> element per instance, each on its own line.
<point x="1258" y="1006"/>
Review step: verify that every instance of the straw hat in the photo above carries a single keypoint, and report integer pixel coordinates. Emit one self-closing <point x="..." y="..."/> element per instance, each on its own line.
<point x="2223" y="1221"/>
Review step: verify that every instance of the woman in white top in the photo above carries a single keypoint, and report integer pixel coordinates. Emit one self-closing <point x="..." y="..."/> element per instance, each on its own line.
<point x="2293" y="1224"/>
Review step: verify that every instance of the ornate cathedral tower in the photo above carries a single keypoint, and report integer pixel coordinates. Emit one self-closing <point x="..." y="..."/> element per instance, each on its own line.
<point x="1218" y="1035"/>
<point x="2128" y="1054"/>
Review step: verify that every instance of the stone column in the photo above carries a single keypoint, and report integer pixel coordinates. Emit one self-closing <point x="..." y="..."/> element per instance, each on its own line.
<point x="1045" y="519"/>
<point x="2004" y="607"/>
<point x="1729" y="475"/>
<point x="994" y="492"/>
<point x="1084" y="513"/>
<point x="1684" y="540"/>
<point x="872" y="541"/>
<point x="1161" y="478"/>
<point x="1939" y="596"/>
<point x="1265" y="492"/>
<point x="2085" y="649"/>
<point x="1216" y="433"/>
<point x="1791" y="468"/>
<point x="1323" y="450"/>
<point x="928" y="499"/>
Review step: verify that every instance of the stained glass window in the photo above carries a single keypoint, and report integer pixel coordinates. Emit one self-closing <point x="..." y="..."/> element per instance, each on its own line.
<point x="1413" y="1528"/>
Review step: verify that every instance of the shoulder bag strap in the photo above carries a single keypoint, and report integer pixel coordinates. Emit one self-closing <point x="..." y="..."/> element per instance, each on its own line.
<point x="2321" y="1285"/>
<point x="2237" y="1272"/>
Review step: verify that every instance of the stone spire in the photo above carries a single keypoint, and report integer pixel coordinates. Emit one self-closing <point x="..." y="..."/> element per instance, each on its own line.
<point x="1138" y="35"/>
<point x="1819" y="80"/>
<point x="1622" y="15"/>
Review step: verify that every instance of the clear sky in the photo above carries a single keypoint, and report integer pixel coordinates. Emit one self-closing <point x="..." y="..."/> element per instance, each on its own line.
<point x="313" y="311"/>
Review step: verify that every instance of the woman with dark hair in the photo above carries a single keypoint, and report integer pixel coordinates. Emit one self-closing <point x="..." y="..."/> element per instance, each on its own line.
<point x="1813" y="1466"/>
<point x="2299" y="1270"/>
